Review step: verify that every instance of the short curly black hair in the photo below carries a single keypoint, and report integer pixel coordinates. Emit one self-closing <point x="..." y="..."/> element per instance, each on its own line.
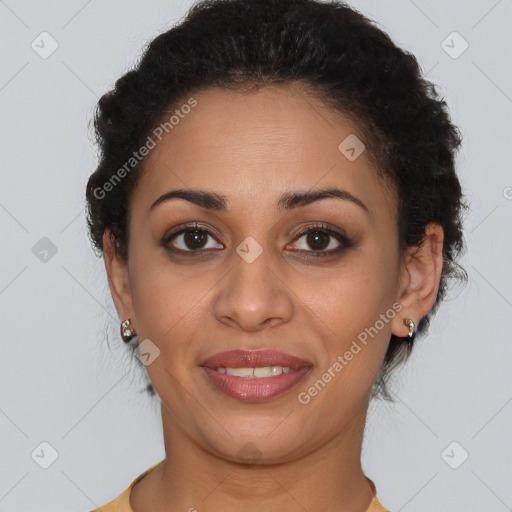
<point x="342" y="58"/>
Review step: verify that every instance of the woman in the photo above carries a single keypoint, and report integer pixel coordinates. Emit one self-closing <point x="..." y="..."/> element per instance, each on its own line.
<point x="278" y="211"/>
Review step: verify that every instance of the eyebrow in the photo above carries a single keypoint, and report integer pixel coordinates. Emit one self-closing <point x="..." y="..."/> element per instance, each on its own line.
<point x="288" y="201"/>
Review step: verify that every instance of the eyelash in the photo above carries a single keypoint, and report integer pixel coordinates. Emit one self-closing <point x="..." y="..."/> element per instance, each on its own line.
<point x="319" y="228"/>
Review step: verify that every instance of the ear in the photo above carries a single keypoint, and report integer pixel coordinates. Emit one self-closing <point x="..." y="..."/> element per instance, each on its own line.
<point x="118" y="277"/>
<point x="420" y="276"/>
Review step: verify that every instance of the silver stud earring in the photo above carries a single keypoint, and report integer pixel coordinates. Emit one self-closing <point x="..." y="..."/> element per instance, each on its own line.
<point x="412" y="329"/>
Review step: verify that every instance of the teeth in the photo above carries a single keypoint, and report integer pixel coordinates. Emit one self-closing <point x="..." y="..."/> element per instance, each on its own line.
<point x="255" y="373"/>
<point x="240" y="372"/>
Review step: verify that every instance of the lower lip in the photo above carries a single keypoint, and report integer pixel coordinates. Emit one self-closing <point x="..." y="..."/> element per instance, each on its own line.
<point x="255" y="390"/>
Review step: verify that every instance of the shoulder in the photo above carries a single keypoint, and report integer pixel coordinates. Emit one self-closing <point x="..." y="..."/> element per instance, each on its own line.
<point x="375" y="505"/>
<point x="119" y="504"/>
<point x="122" y="502"/>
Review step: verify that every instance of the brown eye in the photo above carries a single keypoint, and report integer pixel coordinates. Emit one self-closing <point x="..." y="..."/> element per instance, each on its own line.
<point x="317" y="240"/>
<point x="190" y="240"/>
<point x="195" y="239"/>
<point x="320" y="240"/>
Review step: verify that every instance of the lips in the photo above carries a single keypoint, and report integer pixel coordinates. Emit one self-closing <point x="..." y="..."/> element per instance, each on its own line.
<point x="254" y="359"/>
<point x="255" y="389"/>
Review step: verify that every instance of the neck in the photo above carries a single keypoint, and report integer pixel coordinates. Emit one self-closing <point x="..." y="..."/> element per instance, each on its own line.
<point x="329" y="478"/>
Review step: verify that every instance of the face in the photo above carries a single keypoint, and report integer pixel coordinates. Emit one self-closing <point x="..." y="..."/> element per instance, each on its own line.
<point x="316" y="279"/>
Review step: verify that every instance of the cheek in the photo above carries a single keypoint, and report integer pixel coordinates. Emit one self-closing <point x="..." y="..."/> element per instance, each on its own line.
<point x="158" y="297"/>
<point x="350" y="305"/>
<point x="165" y="302"/>
<point x="348" y="319"/>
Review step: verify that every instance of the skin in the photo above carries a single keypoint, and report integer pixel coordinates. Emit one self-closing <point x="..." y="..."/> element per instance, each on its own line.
<point x="251" y="148"/>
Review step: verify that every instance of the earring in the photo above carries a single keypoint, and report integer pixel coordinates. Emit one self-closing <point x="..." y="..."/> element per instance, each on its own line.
<point x="412" y="329"/>
<point x="127" y="330"/>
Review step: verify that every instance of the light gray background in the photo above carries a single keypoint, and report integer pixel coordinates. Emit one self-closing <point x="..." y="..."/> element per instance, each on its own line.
<point x="61" y="384"/>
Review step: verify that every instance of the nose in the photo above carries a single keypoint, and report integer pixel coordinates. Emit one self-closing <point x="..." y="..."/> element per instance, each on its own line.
<point x="253" y="296"/>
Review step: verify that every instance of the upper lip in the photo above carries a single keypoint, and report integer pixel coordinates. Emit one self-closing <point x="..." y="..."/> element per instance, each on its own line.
<point x="253" y="359"/>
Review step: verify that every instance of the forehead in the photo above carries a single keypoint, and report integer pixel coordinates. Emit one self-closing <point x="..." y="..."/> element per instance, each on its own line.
<point x="254" y="146"/>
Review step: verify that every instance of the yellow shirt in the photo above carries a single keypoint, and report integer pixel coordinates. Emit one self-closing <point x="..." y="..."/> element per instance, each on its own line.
<point x="122" y="502"/>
